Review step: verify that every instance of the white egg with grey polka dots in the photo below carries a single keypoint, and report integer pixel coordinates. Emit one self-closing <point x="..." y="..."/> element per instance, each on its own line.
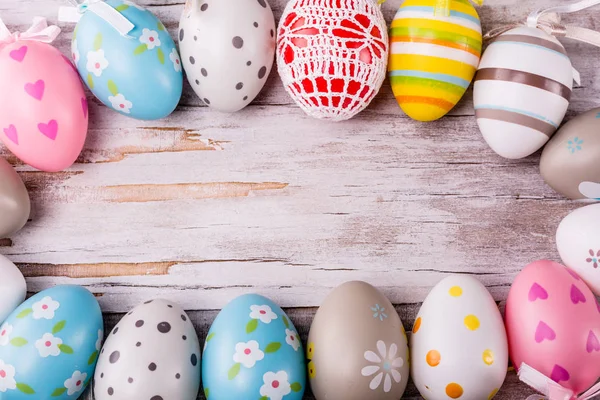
<point x="153" y="353"/>
<point x="227" y="50"/>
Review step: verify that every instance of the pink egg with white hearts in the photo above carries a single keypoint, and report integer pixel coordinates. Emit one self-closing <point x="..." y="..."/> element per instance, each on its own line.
<point x="43" y="108"/>
<point x="553" y="325"/>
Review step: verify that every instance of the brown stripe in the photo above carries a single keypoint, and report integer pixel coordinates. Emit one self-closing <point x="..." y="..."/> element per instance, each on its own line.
<point x="525" y="78"/>
<point x="532" y="40"/>
<point x="516" y="118"/>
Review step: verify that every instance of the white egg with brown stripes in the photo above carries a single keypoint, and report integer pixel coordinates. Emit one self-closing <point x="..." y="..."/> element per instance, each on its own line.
<point x="459" y="348"/>
<point x="522" y="91"/>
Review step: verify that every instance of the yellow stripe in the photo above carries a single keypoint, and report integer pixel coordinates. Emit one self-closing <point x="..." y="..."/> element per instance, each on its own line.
<point x="436" y="25"/>
<point x="425" y="91"/>
<point x="431" y="64"/>
<point x="454" y="6"/>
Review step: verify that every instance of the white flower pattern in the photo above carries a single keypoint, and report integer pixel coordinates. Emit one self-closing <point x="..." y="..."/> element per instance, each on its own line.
<point x="120" y="103"/>
<point x="150" y="38"/>
<point x="7" y="377"/>
<point x="262" y="313"/>
<point x="385" y="366"/>
<point x="248" y="353"/>
<point x="45" y="308"/>
<point x="175" y="59"/>
<point x="291" y="338"/>
<point x="96" y="62"/>
<point x="275" y="385"/>
<point x="99" y="340"/>
<point x="75" y="383"/>
<point x="5" y="331"/>
<point x="75" y="52"/>
<point x="48" y="345"/>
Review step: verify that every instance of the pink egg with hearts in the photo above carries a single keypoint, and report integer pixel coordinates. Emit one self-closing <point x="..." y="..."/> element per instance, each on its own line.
<point x="43" y="108"/>
<point x="553" y="325"/>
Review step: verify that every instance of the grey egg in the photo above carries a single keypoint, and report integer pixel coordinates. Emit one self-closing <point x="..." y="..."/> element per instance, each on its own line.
<point x="569" y="163"/>
<point x="14" y="200"/>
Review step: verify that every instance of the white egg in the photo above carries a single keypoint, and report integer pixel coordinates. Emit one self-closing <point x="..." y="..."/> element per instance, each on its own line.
<point x="152" y="353"/>
<point x="522" y="90"/>
<point x="228" y="48"/>
<point x="578" y="243"/>
<point x="12" y="287"/>
<point x="459" y="347"/>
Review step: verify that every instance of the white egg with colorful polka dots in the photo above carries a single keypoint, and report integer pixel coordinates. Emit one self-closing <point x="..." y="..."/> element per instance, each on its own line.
<point x="227" y="48"/>
<point x="152" y="353"/>
<point x="458" y="345"/>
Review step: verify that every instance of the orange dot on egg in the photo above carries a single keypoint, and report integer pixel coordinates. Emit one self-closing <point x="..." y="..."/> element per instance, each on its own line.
<point x="454" y="390"/>
<point x="455" y="291"/>
<point x="488" y="357"/>
<point x="417" y="325"/>
<point x="494" y="392"/>
<point x="433" y="358"/>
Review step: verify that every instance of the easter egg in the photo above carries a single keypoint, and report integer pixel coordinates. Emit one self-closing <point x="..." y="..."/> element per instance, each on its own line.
<point x="578" y="243"/>
<point x="14" y="201"/>
<point x="43" y="109"/>
<point x="138" y="74"/>
<point x="253" y="351"/>
<point x="522" y="91"/>
<point x="227" y="48"/>
<point x="433" y="56"/>
<point x="332" y="55"/>
<point x="569" y="160"/>
<point x="49" y="345"/>
<point x="459" y="346"/>
<point x="553" y="325"/>
<point x="12" y="289"/>
<point x="357" y="346"/>
<point x="152" y="353"/>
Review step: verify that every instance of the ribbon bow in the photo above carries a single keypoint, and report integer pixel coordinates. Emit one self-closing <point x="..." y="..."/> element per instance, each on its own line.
<point x="442" y="7"/>
<point x="39" y="32"/>
<point x="550" y="389"/>
<point x="101" y="9"/>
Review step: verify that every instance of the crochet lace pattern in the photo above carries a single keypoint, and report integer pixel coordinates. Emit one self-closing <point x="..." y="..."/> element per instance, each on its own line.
<point x="332" y="55"/>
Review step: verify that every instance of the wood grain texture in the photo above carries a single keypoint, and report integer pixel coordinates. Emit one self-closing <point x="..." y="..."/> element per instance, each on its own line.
<point x="202" y="206"/>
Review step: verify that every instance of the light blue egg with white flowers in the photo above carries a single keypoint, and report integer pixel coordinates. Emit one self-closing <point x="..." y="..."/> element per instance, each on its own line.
<point x="138" y="74"/>
<point x="49" y="345"/>
<point x="253" y="351"/>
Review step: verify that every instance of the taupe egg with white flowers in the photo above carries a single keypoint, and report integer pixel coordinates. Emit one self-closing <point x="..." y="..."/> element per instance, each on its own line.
<point x="569" y="163"/>
<point x="357" y="347"/>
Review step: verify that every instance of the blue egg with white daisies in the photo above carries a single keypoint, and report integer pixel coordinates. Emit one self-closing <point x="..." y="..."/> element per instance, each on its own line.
<point x="253" y="351"/>
<point x="49" y="345"/>
<point x="138" y="74"/>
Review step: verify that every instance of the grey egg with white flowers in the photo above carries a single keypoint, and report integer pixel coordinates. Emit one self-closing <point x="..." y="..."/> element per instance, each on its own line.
<point x="227" y="49"/>
<point x="152" y="353"/>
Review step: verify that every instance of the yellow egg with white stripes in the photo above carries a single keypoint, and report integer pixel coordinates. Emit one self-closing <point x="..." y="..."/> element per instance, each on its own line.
<point x="435" y="47"/>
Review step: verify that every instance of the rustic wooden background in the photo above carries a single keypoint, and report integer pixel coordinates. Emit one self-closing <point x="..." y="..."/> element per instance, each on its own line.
<point x="202" y="206"/>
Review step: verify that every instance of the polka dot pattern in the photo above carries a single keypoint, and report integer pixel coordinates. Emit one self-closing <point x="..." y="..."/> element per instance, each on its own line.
<point x="488" y="357"/>
<point x="472" y="322"/>
<point x="455" y="291"/>
<point x="130" y="370"/>
<point x="454" y="390"/>
<point x="433" y="358"/>
<point x="417" y="325"/>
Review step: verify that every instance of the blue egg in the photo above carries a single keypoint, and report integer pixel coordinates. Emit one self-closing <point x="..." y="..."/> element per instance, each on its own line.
<point x="49" y="345"/>
<point x="138" y="75"/>
<point x="253" y="351"/>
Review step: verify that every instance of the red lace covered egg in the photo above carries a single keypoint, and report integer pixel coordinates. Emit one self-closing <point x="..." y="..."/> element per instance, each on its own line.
<point x="332" y="55"/>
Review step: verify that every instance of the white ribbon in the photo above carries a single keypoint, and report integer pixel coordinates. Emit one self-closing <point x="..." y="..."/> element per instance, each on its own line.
<point x="39" y="32"/>
<point x="101" y="9"/>
<point x="549" y="21"/>
<point x="550" y="389"/>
